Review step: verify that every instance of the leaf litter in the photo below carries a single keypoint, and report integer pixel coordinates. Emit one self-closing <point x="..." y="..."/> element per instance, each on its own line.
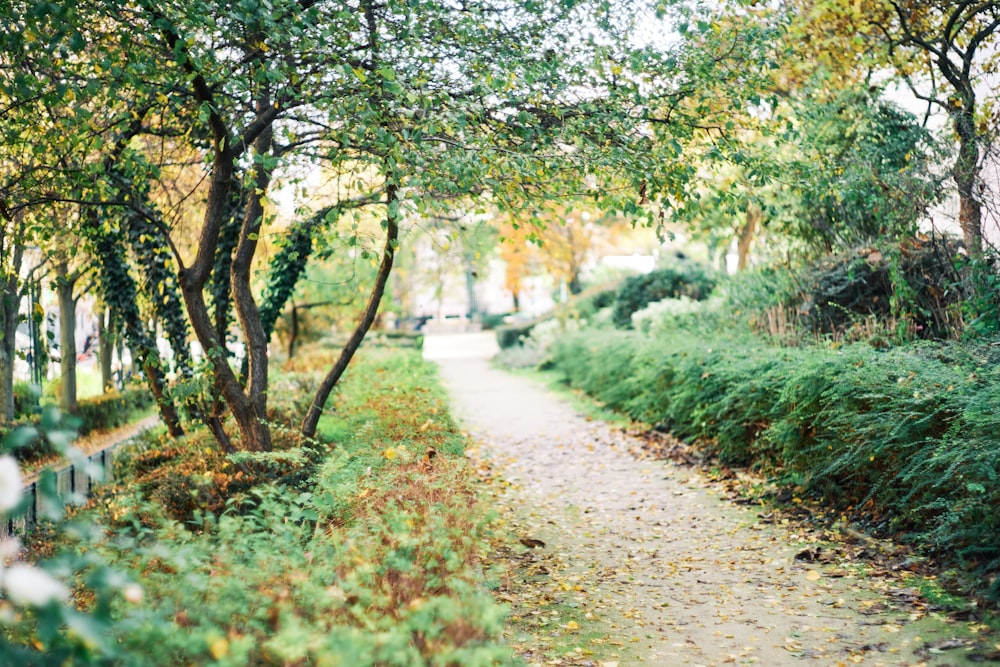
<point x="609" y="555"/>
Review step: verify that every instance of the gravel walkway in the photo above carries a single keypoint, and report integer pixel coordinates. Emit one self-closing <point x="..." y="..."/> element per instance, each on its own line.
<point x="651" y="564"/>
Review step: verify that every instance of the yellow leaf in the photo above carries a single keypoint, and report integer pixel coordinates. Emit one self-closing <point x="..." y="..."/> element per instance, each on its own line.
<point x="219" y="648"/>
<point x="813" y="575"/>
<point x="572" y="625"/>
<point x="390" y="453"/>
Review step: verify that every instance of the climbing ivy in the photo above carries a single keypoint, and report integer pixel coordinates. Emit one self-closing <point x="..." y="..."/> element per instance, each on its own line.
<point x="218" y="283"/>
<point x="160" y="279"/>
<point x="121" y="294"/>
<point x="287" y="267"/>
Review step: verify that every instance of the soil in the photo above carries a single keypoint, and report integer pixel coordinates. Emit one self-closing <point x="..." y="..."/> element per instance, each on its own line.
<point x="607" y="559"/>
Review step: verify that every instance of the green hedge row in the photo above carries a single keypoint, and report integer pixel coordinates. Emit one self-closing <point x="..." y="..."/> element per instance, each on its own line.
<point x="103" y="412"/>
<point x="904" y="438"/>
<point x="113" y="409"/>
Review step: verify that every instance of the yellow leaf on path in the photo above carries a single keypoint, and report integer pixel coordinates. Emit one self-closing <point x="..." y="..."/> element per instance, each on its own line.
<point x="813" y="575"/>
<point x="572" y="625"/>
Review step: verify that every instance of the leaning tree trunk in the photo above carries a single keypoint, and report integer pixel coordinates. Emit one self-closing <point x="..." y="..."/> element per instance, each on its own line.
<point x="311" y="420"/>
<point x="248" y="406"/>
<point x="67" y="338"/>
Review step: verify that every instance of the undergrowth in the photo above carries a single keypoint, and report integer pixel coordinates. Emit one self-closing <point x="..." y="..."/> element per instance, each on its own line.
<point x="365" y="548"/>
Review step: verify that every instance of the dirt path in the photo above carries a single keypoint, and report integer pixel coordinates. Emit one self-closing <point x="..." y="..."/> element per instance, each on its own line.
<point x="644" y="563"/>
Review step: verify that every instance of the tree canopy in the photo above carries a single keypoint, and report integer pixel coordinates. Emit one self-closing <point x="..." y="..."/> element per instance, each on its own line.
<point x="158" y="136"/>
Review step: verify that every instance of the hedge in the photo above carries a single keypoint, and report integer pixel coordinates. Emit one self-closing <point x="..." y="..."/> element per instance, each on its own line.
<point x="904" y="439"/>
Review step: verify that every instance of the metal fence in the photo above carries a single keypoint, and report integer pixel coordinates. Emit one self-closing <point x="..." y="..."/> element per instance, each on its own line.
<point x="71" y="482"/>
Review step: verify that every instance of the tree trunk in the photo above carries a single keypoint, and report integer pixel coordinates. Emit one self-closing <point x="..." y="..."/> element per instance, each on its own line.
<point x="311" y="420"/>
<point x="470" y="291"/>
<point x="10" y="303"/>
<point x="293" y="331"/>
<point x="119" y="287"/>
<point x="250" y="411"/>
<point x="105" y="349"/>
<point x="249" y="408"/>
<point x="67" y="338"/>
<point x="747" y="232"/>
<point x="966" y="175"/>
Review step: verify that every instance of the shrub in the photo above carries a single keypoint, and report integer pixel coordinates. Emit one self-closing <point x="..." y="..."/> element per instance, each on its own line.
<point x="26" y="397"/>
<point x="113" y="409"/>
<point x="684" y="278"/>
<point x="509" y="335"/>
<point x="902" y="439"/>
<point x="885" y="294"/>
<point x="491" y="321"/>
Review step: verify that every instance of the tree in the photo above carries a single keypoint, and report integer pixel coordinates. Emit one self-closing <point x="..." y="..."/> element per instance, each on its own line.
<point x="863" y="171"/>
<point x="941" y="49"/>
<point x="66" y="283"/>
<point x="414" y="105"/>
<point x="805" y="149"/>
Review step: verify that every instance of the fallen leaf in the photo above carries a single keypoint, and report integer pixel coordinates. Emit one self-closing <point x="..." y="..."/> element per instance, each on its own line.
<point x="531" y="542"/>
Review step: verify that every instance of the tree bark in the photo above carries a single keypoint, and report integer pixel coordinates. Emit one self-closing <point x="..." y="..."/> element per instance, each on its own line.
<point x="966" y="176"/>
<point x="311" y="420"/>
<point x="293" y="331"/>
<point x="105" y="349"/>
<point x="747" y="232"/>
<point x="67" y="338"/>
<point x="10" y="303"/>
<point x="249" y="409"/>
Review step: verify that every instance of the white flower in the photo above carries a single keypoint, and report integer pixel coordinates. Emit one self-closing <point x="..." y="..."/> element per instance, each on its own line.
<point x="27" y="585"/>
<point x="10" y="483"/>
<point x="9" y="549"/>
<point x="132" y="593"/>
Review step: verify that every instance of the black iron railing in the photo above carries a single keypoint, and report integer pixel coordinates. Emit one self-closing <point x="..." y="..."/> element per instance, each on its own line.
<point x="72" y="482"/>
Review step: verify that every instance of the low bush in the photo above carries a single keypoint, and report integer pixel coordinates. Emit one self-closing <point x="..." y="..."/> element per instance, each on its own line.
<point x="25" y="399"/>
<point x="901" y="439"/>
<point x="112" y="409"/>
<point x="103" y="412"/>
<point x="491" y="321"/>
<point x="511" y="334"/>
<point x="886" y="294"/>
